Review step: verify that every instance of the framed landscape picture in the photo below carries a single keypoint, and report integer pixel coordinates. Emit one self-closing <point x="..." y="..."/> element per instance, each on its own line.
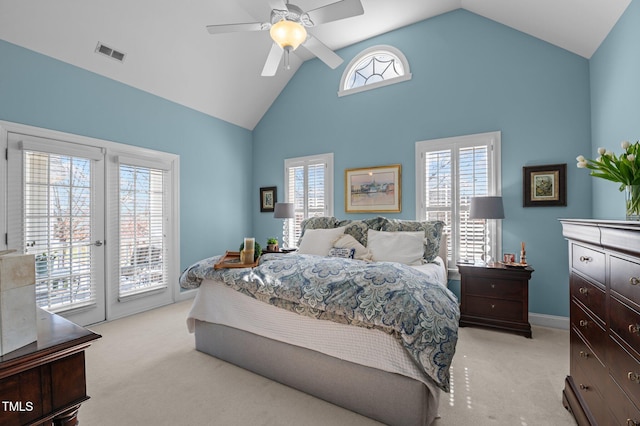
<point x="545" y="186"/>
<point x="373" y="189"/>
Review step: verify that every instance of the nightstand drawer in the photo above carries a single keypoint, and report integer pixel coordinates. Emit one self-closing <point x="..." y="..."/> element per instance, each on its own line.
<point x="589" y="262"/>
<point x="493" y="287"/>
<point x="494" y="308"/>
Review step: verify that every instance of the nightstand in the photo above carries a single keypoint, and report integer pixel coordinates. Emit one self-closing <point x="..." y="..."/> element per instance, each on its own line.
<point x="495" y="296"/>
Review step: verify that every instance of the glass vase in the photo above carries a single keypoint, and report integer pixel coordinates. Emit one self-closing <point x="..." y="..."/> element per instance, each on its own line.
<point x="632" y="199"/>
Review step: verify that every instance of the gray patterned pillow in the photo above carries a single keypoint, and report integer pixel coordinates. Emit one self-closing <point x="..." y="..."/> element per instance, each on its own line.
<point x="357" y="229"/>
<point x="375" y="223"/>
<point x="432" y="232"/>
<point x="320" y="222"/>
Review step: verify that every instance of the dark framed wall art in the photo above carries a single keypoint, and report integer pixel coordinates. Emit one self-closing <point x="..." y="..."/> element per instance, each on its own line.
<point x="544" y="186"/>
<point x="268" y="198"/>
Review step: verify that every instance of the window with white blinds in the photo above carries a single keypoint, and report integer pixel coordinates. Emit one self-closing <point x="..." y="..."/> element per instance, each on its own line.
<point x="309" y="186"/>
<point x="449" y="172"/>
<point x="142" y="247"/>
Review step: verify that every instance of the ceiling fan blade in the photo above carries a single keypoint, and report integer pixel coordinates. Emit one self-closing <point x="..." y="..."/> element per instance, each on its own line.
<point x="323" y="53"/>
<point x="234" y="28"/>
<point x="273" y="60"/>
<point x="335" y="11"/>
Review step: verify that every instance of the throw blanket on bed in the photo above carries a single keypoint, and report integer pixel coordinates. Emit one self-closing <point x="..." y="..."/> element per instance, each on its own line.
<point x="391" y="297"/>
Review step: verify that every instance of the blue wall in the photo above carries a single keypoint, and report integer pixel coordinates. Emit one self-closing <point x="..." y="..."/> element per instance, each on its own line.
<point x="615" y="105"/>
<point x="40" y="91"/>
<point x="470" y="75"/>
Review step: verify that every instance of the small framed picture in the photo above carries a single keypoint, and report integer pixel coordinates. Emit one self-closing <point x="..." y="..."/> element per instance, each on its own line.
<point x="268" y="198"/>
<point x="544" y="186"/>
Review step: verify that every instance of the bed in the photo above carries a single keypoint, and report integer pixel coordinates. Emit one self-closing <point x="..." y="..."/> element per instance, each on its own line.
<point x="260" y="320"/>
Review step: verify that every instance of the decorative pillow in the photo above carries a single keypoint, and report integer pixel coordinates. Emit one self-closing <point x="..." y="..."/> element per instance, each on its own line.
<point x="348" y="242"/>
<point x="342" y="252"/>
<point x="375" y="223"/>
<point x="432" y="233"/>
<point x="402" y="246"/>
<point x="319" y="241"/>
<point x="357" y="229"/>
<point x="320" y="222"/>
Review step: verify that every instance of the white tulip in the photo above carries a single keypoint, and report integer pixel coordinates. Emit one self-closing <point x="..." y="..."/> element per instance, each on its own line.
<point x="631" y="157"/>
<point x="599" y="159"/>
<point x="625" y="144"/>
<point x="582" y="164"/>
<point x="580" y="158"/>
<point x="609" y="153"/>
<point x="601" y="151"/>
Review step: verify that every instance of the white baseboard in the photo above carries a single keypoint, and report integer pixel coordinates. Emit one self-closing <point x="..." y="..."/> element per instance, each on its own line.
<point x="552" y="321"/>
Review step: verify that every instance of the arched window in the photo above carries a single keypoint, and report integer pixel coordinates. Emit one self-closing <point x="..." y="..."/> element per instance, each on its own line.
<point x="374" y="67"/>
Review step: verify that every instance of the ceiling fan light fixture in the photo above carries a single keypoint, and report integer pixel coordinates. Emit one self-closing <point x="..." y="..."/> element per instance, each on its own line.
<point x="288" y="34"/>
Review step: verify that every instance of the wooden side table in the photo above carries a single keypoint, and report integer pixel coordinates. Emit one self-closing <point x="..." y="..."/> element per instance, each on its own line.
<point x="44" y="383"/>
<point x="495" y="296"/>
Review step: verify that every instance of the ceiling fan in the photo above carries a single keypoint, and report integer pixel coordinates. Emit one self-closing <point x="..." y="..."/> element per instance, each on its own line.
<point x="287" y="27"/>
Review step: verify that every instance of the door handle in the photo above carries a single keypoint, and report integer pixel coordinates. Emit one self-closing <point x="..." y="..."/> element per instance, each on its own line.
<point x="98" y="243"/>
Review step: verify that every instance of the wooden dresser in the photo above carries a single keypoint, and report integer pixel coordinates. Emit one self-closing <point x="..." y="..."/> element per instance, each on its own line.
<point x="603" y="387"/>
<point x="495" y="296"/>
<point x="43" y="383"/>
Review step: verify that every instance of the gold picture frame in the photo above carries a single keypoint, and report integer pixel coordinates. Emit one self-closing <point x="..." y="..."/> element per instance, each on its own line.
<point x="373" y="189"/>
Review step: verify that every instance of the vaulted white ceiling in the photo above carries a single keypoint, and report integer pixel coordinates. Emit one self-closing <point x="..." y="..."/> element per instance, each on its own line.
<point x="169" y="52"/>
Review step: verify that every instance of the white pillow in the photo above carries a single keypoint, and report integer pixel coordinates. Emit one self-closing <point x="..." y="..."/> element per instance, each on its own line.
<point x="403" y="247"/>
<point x="318" y="241"/>
<point x="347" y="241"/>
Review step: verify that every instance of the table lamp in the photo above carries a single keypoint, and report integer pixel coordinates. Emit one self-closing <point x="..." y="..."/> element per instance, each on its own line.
<point x="284" y="211"/>
<point x="486" y="208"/>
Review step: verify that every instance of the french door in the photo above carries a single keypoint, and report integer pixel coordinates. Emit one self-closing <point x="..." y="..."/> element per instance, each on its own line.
<point x="56" y="212"/>
<point x="101" y="219"/>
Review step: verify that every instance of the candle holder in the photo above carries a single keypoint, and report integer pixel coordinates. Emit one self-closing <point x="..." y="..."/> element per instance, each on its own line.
<point x="523" y="257"/>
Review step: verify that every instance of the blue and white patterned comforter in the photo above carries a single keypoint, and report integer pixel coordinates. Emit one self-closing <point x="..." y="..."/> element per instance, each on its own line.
<point x="391" y="297"/>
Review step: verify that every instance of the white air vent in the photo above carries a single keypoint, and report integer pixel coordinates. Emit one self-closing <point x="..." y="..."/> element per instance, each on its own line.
<point x="107" y="51"/>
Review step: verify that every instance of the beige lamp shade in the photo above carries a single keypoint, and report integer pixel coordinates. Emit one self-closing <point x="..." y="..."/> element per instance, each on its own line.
<point x="288" y="34"/>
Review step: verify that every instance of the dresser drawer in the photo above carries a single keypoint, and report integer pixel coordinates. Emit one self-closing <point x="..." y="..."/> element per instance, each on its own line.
<point x="582" y="355"/>
<point x="622" y="410"/>
<point x="625" y="369"/>
<point x="589" y="262"/>
<point x="590" y="394"/>
<point x="625" y="322"/>
<point x="494" y="287"/>
<point x="625" y="278"/>
<point x="494" y="308"/>
<point x="589" y="329"/>
<point x="590" y="295"/>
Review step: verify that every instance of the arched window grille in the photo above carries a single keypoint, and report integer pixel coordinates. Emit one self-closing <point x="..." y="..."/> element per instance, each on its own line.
<point x="374" y="67"/>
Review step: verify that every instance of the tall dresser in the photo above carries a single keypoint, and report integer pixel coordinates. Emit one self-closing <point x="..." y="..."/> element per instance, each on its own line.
<point x="603" y="387"/>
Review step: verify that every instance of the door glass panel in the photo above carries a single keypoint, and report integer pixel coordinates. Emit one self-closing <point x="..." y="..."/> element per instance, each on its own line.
<point x="142" y="236"/>
<point x="57" y="228"/>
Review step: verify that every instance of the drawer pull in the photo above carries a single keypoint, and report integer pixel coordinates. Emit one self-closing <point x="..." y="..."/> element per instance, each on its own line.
<point x="631" y="422"/>
<point x="584" y="387"/>
<point x="583" y="290"/>
<point x="585" y="259"/>
<point x="633" y="377"/>
<point x="634" y="328"/>
<point x="584" y="354"/>
<point x="493" y="286"/>
<point x="583" y="323"/>
<point x="634" y="280"/>
<point x="493" y="306"/>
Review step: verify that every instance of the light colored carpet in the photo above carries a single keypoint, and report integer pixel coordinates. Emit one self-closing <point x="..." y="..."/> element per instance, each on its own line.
<point x="145" y="371"/>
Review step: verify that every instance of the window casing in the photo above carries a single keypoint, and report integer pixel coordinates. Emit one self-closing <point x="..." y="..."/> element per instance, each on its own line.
<point x="308" y="184"/>
<point x="449" y="172"/>
<point x="377" y="66"/>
